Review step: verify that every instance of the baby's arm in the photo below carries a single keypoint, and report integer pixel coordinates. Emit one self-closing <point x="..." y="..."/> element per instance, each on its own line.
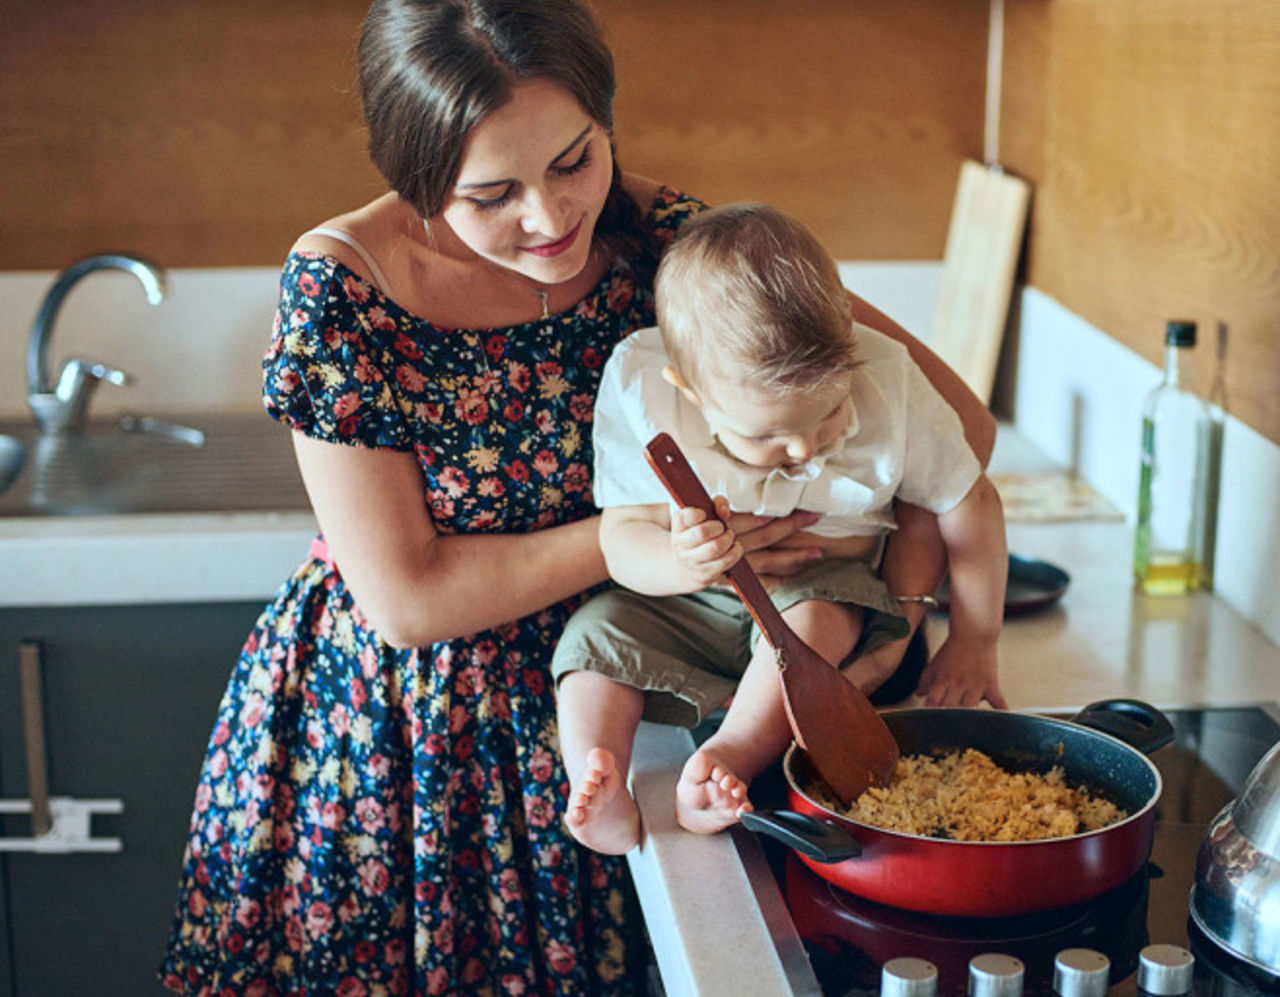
<point x="963" y="672"/>
<point x="652" y="551"/>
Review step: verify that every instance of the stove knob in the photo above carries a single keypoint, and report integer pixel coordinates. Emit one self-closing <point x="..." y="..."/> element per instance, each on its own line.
<point x="1165" y="970"/>
<point x="995" y="975"/>
<point x="908" y="978"/>
<point x="1081" y="973"/>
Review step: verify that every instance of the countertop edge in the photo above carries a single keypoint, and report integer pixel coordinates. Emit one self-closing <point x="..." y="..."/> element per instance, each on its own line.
<point x="702" y="894"/>
<point x="145" y="559"/>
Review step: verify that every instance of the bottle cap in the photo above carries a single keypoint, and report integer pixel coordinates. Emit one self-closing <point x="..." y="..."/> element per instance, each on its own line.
<point x="1165" y="970"/>
<point x="1180" y="332"/>
<point x="993" y="974"/>
<point x="1081" y="973"/>
<point x="906" y="977"/>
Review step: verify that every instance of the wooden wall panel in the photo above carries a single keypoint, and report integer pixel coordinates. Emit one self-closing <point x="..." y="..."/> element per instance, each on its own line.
<point x="1151" y="130"/>
<point x="197" y="134"/>
<point x="854" y="116"/>
<point x="211" y="134"/>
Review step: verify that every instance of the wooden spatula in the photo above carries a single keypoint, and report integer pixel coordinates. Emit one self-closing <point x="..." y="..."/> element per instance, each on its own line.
<point x="836" y="725"/>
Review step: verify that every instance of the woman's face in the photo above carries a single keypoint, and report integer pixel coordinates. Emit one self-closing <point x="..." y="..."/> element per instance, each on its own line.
<point x="533" y="180"/>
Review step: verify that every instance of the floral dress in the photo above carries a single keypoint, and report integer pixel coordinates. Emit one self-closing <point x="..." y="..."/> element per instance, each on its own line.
<point x="380" y="821"/>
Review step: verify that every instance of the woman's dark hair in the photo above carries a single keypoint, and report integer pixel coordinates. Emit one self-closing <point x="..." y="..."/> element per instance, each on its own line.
<point x="430" y="70"/>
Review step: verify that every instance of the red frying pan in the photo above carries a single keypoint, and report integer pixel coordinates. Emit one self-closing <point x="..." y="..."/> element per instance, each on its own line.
<point x="1103" y="747"/>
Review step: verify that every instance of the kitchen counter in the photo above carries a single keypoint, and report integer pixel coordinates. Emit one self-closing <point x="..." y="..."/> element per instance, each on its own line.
<point x="717" y="921"/>
<point x="117" y="516"/>
<point x="141" y="559"/>
<point x="1104" y="639"/>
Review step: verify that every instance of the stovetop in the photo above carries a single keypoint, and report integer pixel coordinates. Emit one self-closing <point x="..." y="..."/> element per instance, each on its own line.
<point x="847" y="939"/>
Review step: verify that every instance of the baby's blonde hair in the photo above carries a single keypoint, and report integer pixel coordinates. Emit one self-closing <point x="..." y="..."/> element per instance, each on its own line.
<point x="748" y="285"/>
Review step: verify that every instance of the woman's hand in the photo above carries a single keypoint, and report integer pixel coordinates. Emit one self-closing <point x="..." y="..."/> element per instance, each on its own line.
<point x="772" y="546"/>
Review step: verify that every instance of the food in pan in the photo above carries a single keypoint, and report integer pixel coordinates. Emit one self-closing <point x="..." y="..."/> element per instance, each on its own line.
<point x="965" y="796"/>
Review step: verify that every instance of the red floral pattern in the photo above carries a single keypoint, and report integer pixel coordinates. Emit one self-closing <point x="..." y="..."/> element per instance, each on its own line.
<point x="381" y="821"/>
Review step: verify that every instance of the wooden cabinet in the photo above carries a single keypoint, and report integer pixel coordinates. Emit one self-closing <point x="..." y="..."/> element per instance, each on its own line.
<point x="130" y="694"/>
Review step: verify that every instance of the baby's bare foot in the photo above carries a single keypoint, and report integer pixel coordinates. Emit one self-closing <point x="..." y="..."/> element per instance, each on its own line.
<point x="708" y="796"/>
<point x="602" y="814"/>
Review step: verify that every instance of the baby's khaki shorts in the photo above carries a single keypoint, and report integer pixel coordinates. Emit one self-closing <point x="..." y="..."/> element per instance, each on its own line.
<point x="687" y="652"/>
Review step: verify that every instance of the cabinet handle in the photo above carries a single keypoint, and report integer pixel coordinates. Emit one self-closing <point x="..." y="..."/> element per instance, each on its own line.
<point x="59" y="824"/>
<point x="33" y="735"/>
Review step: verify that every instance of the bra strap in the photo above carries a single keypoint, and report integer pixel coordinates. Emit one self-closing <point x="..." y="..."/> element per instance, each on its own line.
<point x="334" y="233"/>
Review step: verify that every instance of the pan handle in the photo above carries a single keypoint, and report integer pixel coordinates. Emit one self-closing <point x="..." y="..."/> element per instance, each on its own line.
<point x="821" y="840"/>
<point x="1139" y="725"/>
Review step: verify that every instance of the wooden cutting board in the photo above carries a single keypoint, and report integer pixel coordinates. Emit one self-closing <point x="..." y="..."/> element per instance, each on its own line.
<point x="984" y="242"/>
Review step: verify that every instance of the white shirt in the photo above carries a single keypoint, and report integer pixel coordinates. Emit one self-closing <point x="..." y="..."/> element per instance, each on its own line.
<point x="903" y="441"/>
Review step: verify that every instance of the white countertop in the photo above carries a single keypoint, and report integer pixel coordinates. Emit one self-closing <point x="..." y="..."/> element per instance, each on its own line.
<point x="708" y="900"/>
<point x="1103" y="639"/>
<point x="109" y="517"/>
<point x="140" y="559"/>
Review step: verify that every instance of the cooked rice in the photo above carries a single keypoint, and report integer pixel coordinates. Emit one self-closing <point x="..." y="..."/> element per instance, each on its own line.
<point x="965" y="796"/>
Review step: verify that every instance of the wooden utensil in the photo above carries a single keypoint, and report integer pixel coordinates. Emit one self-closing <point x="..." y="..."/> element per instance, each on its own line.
<point x="836" y="725"/>
<point x="984" y="242"/>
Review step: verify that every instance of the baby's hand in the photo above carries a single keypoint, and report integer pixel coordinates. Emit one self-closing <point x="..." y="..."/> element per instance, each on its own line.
<point x="962" y="673"/>
<point x="704" y="547"/>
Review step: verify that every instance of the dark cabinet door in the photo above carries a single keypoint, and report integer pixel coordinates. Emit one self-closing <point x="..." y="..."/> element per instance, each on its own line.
<point x="130" y="694"/>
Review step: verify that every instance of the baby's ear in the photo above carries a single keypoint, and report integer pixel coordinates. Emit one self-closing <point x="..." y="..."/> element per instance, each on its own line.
<point x="673" y="378"/>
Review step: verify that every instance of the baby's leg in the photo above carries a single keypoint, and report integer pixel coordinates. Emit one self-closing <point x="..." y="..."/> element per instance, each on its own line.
<point x="712" y="791"/>
<point x="598" y="719"/>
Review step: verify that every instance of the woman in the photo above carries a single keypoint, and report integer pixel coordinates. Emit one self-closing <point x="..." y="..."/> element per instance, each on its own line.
<point x="381" y="805"/>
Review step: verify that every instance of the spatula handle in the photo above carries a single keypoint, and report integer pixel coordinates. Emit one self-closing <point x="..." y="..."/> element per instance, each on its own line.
<point x="678" y="477"/>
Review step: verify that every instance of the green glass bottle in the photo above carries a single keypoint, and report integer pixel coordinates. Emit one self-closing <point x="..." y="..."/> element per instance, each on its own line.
<point x="1175" y="510"/>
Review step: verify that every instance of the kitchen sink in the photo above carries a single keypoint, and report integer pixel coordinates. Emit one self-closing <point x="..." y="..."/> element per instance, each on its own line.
<point x="12" y="456"/>
<point x="225" y="463"/>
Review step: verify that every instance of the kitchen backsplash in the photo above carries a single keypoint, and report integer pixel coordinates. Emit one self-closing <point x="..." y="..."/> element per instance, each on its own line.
<point x="197" y="351"/>
<point x="200" y="350"/>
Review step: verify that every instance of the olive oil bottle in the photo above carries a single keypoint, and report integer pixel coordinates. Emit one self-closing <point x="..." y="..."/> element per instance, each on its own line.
<point x="1176" y="509"/>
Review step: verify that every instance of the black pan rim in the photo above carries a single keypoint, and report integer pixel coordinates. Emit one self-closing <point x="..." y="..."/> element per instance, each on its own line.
<point x="1153" y="799"/>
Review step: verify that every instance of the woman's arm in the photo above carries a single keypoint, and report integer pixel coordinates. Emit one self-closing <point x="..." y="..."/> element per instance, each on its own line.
<point x="979" y="424"/>
<point x="915" y="559"/>
<point x="417" y="586"/>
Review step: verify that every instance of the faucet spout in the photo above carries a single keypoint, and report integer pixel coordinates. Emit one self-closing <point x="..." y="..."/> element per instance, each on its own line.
<point x="44" y="397"/>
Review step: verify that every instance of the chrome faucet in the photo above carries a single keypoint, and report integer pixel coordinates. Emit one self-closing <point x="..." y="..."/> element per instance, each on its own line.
<point x="64" y="406"/>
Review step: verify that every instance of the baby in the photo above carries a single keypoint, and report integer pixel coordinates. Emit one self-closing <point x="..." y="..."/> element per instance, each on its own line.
<point x="781" y="403"/>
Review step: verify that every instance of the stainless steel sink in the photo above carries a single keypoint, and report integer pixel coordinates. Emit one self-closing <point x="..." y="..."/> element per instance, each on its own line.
<point x="130" y="465"/>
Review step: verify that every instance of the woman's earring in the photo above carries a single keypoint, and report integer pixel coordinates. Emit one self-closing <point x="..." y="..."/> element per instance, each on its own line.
<point x="426" y="227"/>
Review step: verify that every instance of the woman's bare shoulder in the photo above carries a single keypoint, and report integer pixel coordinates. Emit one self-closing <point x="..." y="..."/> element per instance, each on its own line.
<point x="368" y="226"/>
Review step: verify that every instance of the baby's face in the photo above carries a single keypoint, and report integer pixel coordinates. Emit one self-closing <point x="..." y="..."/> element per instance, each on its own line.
<point x="779" y="429"/>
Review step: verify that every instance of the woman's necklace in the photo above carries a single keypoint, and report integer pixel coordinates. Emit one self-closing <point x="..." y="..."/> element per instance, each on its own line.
<point x="541" y="291"/>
